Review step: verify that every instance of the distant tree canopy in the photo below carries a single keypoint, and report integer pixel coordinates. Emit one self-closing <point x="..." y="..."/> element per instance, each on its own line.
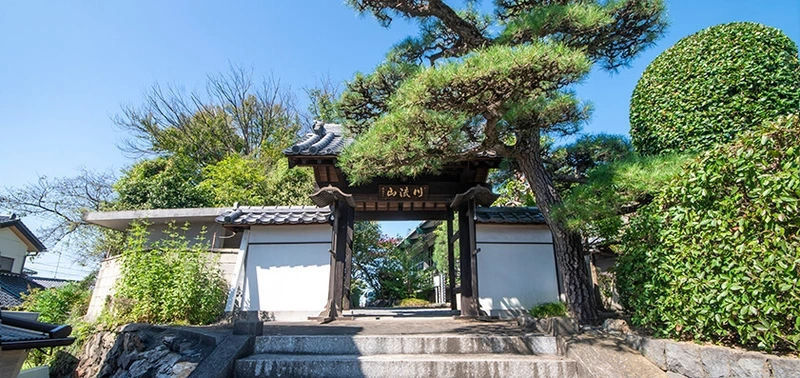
<point x="214" y="150"/>
<point x="501" y="80"/>
<point x="194" y="150"/>
<point x="712" y="85"/>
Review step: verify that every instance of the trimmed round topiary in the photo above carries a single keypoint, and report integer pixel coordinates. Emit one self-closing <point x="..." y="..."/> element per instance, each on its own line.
<point x="712" y="85"/>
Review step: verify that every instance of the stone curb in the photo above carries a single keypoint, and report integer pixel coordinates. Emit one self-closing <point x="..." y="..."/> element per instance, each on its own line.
<point x="681" y="359"/>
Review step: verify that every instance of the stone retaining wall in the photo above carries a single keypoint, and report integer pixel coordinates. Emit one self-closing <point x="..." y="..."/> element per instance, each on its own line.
<point x="680" y="359"/>
<point x="139" y="351"/>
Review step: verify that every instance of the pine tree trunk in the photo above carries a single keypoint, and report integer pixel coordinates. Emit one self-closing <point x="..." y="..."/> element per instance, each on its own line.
<point x="567" y="244"/>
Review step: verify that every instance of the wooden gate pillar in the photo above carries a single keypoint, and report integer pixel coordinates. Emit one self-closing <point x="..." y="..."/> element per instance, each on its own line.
<point x="343" y="212"/>
<point x="468" y="252"/>
<point x="469" y="274"/>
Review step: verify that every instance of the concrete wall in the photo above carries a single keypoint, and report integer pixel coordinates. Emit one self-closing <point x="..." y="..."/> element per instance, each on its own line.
<point x="516" y="268"/>
<point x="12" y="247"/>
<point x="106" y="277"/>
<point x="287" y="271"/>
<point x="215" y="235"/>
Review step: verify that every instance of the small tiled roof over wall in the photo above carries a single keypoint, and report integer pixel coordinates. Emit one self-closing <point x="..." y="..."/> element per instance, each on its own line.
<point x="274" y="215"/>
<point x="509" y="215"/>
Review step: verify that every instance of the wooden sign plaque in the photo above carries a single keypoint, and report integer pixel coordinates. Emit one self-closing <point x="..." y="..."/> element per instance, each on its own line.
<point x="403" y="192"/>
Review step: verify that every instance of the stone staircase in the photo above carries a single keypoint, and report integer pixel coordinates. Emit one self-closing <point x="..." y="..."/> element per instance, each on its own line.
<point x="399" y="356"/>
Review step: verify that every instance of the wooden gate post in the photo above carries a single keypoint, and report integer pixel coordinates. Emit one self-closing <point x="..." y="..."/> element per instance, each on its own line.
<point x="466" y="232"/>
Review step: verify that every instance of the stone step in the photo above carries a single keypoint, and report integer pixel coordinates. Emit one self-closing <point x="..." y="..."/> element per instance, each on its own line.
<point x="406" y="365"/>
<point x="406" y="344"/>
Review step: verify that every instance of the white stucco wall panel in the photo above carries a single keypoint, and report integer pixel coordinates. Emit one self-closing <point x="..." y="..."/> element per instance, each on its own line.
<point x="505" y="233"/>
<point x="287" y="271"/>
<point x="516" y="268"/>
<point x="290" y="234"/>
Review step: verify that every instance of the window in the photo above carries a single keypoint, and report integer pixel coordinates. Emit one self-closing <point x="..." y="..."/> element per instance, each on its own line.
<point x="6" y="263"/>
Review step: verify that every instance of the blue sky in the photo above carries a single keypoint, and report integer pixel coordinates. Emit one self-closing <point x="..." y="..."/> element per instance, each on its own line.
<point x="68" y="66"/>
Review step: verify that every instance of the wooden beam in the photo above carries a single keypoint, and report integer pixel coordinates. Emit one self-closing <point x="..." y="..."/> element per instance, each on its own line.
<point x="400" y="215"/>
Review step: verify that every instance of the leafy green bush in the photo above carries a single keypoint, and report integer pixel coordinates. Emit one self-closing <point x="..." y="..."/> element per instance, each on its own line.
<point x="413" y="302"/>
<point x="61" y="305"/>
<point x="57" y="305"/>
<point x="712" y="85"/>
<point x="549" y="310"/>
<point x="169" y="281"/>
<point x="716" y="256"/>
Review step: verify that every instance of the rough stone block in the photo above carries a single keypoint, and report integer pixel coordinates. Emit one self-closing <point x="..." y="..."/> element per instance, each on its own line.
<point x="616" y="326"/>
<point x="750" y="365"/>
<point x="684" y="358"/>
<point x="785" y="367"/>
<point x="183" y="369"/>
<point x="634" y="341"/>
<point x="653" y="350"/>
<point x="250" y="327"/>
<point x="716" y="361"/>
<point x="671" y="374"/>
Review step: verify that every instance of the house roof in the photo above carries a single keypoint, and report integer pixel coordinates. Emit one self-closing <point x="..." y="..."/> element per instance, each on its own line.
<point x="274" y="215"/>
<point x="18" y="228"/>
<point x="509" y="215"/>
<point x="328" y="139"/>
<point x="48" y="283"/>
<point x="121" y="220"/>
<point x="12" y="286"/>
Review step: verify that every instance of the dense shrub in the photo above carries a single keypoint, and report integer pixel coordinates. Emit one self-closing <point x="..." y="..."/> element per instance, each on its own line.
<point x="61" y="305"/>
<point x="712" y="85"/>
<point x="413" y="302"/>
<point x="169" y="281"/>
<point x="716" y="256"/>
<point x="549" y="310"/>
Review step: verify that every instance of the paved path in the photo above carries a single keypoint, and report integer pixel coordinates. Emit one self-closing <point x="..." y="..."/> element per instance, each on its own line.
<point x="397" y="326"/>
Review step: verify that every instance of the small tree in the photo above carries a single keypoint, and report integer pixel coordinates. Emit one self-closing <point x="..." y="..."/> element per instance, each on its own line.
<point x="712" y="85"/>
<point x="496" y="81"/>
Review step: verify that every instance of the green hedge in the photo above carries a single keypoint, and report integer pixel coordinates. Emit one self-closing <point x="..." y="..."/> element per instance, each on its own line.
<point x="712" y="85"/>
<point x="716" y="256"/>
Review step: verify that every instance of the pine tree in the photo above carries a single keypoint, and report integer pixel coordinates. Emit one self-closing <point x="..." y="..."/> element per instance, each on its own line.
<point x="476" y="81"/>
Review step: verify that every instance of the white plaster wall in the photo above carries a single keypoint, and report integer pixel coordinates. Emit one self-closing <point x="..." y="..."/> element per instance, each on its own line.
<point x="12" y="247"/>
<point x="287" y="271"/>
<point x="516" y="268"/>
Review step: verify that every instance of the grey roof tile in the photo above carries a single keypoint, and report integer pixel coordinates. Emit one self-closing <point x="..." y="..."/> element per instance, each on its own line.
<point x="326" y="140"/>
<point x="509" y="215"/>
<point x="274" y="215"/>
<point x="12" y="286"/>
<point x="49" y="282"/>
